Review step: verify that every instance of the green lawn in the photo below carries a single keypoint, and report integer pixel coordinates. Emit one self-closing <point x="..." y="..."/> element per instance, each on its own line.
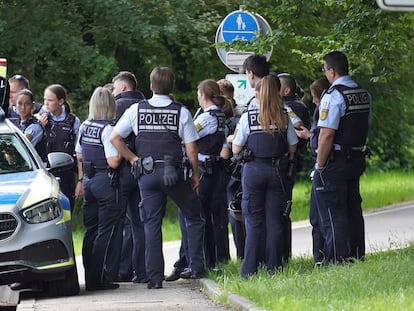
<point x="384" y="281"/>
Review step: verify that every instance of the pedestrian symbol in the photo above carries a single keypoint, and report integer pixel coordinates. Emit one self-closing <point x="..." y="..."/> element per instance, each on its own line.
<point x="239" y="25"/>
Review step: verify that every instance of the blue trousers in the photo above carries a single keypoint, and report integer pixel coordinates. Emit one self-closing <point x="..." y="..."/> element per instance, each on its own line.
<point x="212" y="192"/>
<point x="263" y="203"/>
<point x="101" y="216"/>
<point x="129" y="245"/>
<point x="152" y="210"/>
<point x="338" y="201"/>
<point x="317" y="237"/>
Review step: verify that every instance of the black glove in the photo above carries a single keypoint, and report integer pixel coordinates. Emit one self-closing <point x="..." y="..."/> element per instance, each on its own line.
<point x="292" y="166"/>
<point x="136" y="169"/>
<point x="170" y="171"/>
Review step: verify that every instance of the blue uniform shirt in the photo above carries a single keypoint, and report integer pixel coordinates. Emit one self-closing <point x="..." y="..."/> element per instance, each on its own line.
<point x="34" y="133"/>
<point x="206" y="124"/>
<point x="332" y="107"/>
<point x="128" y="122"/>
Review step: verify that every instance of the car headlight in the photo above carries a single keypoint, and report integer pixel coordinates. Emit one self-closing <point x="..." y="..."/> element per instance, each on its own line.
<point x="42" y="212"/>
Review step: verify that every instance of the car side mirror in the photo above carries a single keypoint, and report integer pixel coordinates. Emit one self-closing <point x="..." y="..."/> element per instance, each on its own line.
<point x="59" y="160"/>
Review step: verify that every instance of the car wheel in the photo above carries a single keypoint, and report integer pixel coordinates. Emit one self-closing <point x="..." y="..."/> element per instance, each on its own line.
<point x="69" y="286"/>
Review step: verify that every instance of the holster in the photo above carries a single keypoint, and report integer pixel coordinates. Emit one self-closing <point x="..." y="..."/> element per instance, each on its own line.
<point x="186" y="169"/>
<point x="114" y="177"/>
<point x="88" y="169"/>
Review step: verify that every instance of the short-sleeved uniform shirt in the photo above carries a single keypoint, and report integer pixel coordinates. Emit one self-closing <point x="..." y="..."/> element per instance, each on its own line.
<point x="34" y="133"/>
<point x="332" y="107"/>
<point x="206" y="124"/>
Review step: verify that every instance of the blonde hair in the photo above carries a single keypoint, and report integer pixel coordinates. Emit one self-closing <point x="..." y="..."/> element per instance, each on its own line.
<point x="102" y="105"/>
<point x="271" y="112"/>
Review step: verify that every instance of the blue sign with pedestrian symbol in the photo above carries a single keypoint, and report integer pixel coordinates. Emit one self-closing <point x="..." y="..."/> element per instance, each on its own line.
<point x="239" y="25"/>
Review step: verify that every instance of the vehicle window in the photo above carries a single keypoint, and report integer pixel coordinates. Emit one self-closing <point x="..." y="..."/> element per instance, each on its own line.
<point x="13" y="156"/>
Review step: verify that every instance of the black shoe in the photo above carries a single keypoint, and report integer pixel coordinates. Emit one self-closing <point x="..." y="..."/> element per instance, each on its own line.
<point x="188" y="273"/>
<point x="175" y="275"/>
<point x="155" y="285"/>
<point x="123" y="278"/>
<point x="104" y="286"/>
<point x="136" y="279"/>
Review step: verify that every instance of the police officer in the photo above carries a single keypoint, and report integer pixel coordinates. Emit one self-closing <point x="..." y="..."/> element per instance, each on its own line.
<point x="18" y="83"/>
<point x="268" y="135"/>
<point x="256" y="67"/>
<point x="290" y="98"/>
<point x="162" y="126"/>
<point x="28" y="123"/>
<point x="97" y="163"/>
<point x="210" y="126"/>
<point x="317" y="89"/>
<point x="299" y="114"/>
<point x="343" y="121"/>
<point x="61" y="129"/>
<point x="132" y="261"/>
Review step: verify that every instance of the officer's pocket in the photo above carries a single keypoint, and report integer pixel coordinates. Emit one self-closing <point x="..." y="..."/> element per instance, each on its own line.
<point x="327" y="195"/>
<point x="249" y="205"/>
<point x="142" y="213"/>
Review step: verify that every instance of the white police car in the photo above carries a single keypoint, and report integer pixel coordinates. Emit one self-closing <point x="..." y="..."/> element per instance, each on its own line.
<point x="35" y="222"/>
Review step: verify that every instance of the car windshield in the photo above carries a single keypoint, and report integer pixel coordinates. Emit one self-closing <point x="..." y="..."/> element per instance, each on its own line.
<point x="13" y="155"/>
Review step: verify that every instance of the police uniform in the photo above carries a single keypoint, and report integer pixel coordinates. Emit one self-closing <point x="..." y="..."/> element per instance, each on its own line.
<point x="264" y="191"/>
<point x="346" y="109"/>
<point x="232" y="187"/>
<point x="101" y="210"/>
<point x="130" y="258"/>
<point x="161" y="125"/>
<point x="210" y="126"/>
<point x="60" y="136"/>
<point x="317" y="237"/>
<point x="32" y="130"/>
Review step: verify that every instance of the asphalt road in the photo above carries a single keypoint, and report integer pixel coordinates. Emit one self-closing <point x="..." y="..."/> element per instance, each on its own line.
<point x="385" y="228"/>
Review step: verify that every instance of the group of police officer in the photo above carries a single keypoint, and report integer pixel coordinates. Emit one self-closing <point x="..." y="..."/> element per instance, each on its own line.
<point x="164" y="153"/>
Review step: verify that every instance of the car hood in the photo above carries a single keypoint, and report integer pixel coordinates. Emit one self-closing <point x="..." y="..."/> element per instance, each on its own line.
<point x="27" y="188"/>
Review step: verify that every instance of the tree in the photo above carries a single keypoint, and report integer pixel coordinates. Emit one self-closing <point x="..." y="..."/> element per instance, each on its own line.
<point x="83" y="44"/>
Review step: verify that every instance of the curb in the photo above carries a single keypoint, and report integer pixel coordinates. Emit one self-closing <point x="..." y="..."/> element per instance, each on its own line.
<point x="238" y="303"/>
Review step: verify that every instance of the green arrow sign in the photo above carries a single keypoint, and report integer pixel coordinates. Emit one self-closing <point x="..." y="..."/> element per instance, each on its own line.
<point x="242" y="84"/>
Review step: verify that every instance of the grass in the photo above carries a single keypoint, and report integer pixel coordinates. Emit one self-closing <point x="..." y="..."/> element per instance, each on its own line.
<point x="378" y="189"/>
<point x="384" y="281"/>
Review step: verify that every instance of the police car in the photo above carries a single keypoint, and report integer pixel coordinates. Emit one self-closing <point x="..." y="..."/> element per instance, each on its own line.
<point x="35" y="222"/>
